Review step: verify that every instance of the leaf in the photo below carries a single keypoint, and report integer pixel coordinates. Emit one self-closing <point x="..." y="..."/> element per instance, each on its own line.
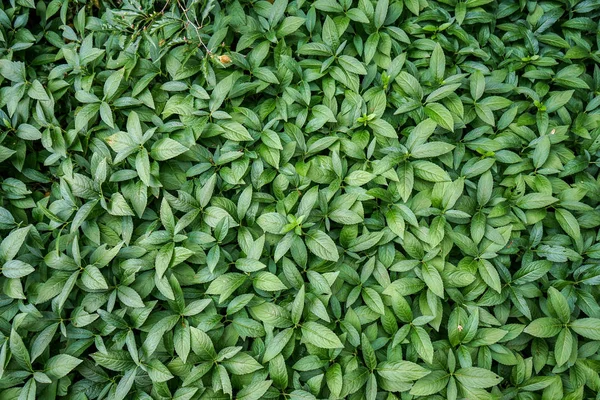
<point x="373" y="300"/>
<point x="225" y="285"/>
<point x="254" y="391"/>
<point x="422" y="343"/>
<point x="12" y="243"/>
<point x="383" y="128"/>
<point x="544" y="327"/>
<point x="235" y="131"/>
<point x="477" y="85"/>
<point x="334" y="379"/>
<point x="437" y="63"/>
<point x="428" y="171"/>
<point x="28" y="392"/>
<point x="18" y="350"/>
<point x="535" y="200"/>
<point x="16" y="269"/>
<point x="403" y="371"/>
<point x="60" y="365"/>
<point x="530" y="272"/>
<point x="167" y="148"/>
<point x="277" y="344"/>
<point x="264" y="280"/>
<point x="430" y="384"/>
<point x="474" y="377"/>
<point x="380" y="13"/>
<point x="359" y="178"/>
<point x="489" y="275"/>
<point x="559" y="305"/>
<point x="125" y="384"/>
<point x="290" y="25"/>
<point x="406" y="180"/>
<point x="320" y="336"/>
<point x="563" y="347"/>
<point x="111" y="85"/>
<point x="12" y="70"/>
<point x="93" y="279"/>
<point x="587" y="327"/>
<point x="241" y="364"/>
<point x="321" y="245"/>
<point x="558" y="99"/>
<point x="569" y="223"/>
<point x="271" y="222"/>
<point x="433" y="149"/>
<point x="345" y="217"/>
<point x="433" y="280"/>
<point x="129" y="297"/>
<point x="440" y="115"/>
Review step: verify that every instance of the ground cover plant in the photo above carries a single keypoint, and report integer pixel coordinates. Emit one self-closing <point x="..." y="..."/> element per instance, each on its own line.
<point x="329" y="199"/>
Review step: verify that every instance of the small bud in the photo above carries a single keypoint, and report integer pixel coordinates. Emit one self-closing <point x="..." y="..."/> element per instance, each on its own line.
<point x="460" y="328"/>
<point x="553" y="131"/>
<point x="225" y="59"/>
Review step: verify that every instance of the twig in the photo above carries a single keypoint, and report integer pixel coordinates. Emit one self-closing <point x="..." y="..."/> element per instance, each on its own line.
<point x="196" y="27"/>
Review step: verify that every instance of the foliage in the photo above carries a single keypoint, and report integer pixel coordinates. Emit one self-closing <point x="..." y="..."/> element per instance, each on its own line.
<point x="297" y="199"/>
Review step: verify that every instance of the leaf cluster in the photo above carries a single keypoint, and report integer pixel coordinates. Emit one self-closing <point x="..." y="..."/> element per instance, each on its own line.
<point x="292" y="199"/>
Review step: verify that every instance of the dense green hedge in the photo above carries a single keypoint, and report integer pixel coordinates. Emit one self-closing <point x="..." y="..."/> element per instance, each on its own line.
<point x="372" y="199"/>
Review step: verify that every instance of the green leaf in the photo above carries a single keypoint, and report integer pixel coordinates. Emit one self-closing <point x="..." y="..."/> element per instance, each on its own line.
<point x="587" y="327"/>
<point x="225" y="285"/>
<point x="535" y="200"/>
<point x="563" y="347"/>
<point x="403" y="371"/>
<point x="321" y="245"/>
<point x="16" y="269"/>
<point x="381" y="10"/>
<point x="477" y="85"/>
<point x="264" y="280"/>
<point x="437" y="62"/>
<point x="440" y="115"/>
<point x="569" y="223"/>
<point x="129" y="297"/>
<point x="433" y="279"/>
<point x="544" y="327"/>
<point x="558" y="99"/>
<point x="235" y="131"/>
<point x="111" y="85"/>
<point x="241" y="364"/>
<point x="422" y="343"/>
<point x="559" y="305"/>
<point x="430" y="384"/>
<point x="272" y="222"/>
<point x="12" y="243"/>
<point x="489" y="275"/>
<point x="277" y="344"/>
<point x="334" y="379"/>
<point x="167" y="148"/>
<point x="433" y="149"/>
<point x="532" y="271"/>
<point x="373" y="300"/>
<point x="254" y="391"/>
<point x="60" y="365"/>
<point x="18" y="350"/>
<point x="320" y="336"/>
<point x="478" y="378"/>
<point x="383" y="128"/>
<point x="93" y="279"/>
<point x="158" y="372"/>
<point x="12" y="70"/>
<point x="28" y="392"/>
<point x="125" y="384"/>
<point x="429" y="171"/>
